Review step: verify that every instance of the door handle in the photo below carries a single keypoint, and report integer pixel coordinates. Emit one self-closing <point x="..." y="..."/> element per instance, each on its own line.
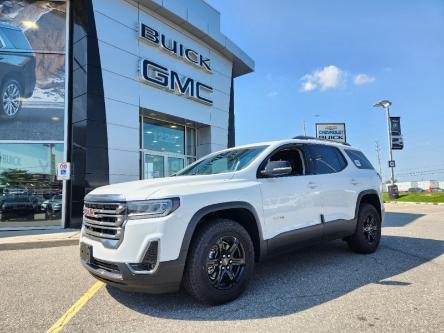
<point x="354" y="182"/>
<point x="312" y="185"/>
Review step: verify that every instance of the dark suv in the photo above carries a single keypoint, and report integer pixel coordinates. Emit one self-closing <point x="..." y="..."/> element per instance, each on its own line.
<point x="16" y="206"/>
<point x="17" y="70"/>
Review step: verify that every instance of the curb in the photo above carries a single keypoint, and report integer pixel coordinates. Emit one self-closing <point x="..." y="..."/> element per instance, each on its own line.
<point x="38" y="244"/>
<point x="42" y="239"/>
<point x="415" y="203"/>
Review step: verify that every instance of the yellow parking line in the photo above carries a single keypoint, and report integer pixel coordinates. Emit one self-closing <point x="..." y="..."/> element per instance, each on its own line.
<point x="67" y="316"/>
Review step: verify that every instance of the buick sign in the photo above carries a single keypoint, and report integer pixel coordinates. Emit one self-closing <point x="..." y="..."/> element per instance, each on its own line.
<point x="174" y="48"/>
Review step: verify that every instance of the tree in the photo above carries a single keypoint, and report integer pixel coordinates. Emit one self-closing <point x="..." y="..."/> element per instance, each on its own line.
<point x="15" y="178"/>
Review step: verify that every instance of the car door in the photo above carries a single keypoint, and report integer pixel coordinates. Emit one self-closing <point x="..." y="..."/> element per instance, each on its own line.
<point x="291" y="204"/>
<point x="339" y="189"/>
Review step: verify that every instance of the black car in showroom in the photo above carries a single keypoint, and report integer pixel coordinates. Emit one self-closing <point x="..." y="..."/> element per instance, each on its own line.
<point x="17" y="70"/>
<point x="16" y="206"/>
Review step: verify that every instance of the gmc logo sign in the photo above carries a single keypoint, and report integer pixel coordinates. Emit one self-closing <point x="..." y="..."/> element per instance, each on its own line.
<point x="89" y="212"/>
<point x="163" y="78"/>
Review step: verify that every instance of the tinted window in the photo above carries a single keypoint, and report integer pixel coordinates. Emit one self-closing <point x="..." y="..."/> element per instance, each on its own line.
<point x="17" y="38"/>
<point x="326" y="159"/>
<point x="359" y="159"/>
<point x="294" y="157"/>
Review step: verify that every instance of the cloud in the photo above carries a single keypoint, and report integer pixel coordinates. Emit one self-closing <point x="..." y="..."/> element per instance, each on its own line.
<point x="272" y="93"/>
<point x="361" y="79"/>
<point x="329" y="77"/>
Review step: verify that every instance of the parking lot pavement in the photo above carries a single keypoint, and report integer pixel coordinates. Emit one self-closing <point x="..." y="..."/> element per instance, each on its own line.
<point x="323" y="288"/>
<point x="33" y="124"/>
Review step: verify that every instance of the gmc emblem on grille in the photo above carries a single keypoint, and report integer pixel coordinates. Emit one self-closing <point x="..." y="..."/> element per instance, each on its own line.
<point x="89" y="212"/>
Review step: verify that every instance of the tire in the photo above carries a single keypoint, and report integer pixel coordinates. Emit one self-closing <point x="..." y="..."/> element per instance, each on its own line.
<point x="368" y="230"/>
<point x="205" y="277"/>
<point x="11" y="95"/>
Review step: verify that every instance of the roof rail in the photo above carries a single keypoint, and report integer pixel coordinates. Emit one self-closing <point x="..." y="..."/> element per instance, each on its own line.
<point x="305" y="137"/>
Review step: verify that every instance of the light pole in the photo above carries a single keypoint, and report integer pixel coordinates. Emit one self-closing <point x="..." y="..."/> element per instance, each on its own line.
<point x="305" y="124"/>
<point x="385" y="104"/>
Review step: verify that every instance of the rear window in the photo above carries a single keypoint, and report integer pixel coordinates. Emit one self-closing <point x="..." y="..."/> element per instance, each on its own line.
<point x="359" y="159"/>
<point x="326" y="159"/>
<point x="17" y="39"/>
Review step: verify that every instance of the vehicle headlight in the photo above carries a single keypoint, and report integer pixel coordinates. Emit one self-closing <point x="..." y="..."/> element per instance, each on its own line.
<point x="152" y="208"/>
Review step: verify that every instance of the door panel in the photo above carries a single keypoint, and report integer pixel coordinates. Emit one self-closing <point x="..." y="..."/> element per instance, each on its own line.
<point x="154" y="166"/>
<point x="339" y="189"/>
<point x="289" y="203"/>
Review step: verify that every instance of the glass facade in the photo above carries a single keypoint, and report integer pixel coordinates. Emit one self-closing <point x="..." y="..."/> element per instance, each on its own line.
<point x="32" y="111"/>
<point x="30" y="194"/>
<point x="166" y="147"/>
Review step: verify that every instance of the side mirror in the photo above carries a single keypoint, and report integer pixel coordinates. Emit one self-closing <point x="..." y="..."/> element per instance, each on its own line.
<point x="277" y="168"/>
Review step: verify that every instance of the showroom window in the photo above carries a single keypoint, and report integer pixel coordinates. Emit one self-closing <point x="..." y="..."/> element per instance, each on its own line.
<point x="32" y="111"/>
<point x="30" y="194"/>
<point x="166" y="147"/>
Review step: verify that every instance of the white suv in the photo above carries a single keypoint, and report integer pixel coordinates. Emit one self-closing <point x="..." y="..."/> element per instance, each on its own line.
<point x="207" y="226"/>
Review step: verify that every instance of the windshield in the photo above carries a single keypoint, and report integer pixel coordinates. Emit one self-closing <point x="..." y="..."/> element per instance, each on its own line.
<point x="17" y="38"/>
<point x="226" y="161"/>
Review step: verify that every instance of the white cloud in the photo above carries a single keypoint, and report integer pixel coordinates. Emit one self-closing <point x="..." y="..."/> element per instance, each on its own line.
<point x="329" y="77"/>
<point x="272" y="93"/>
<point x="361" y="79"/>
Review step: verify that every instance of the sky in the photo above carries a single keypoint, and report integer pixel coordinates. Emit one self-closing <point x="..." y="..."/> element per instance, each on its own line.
<point x="330" y="61"/>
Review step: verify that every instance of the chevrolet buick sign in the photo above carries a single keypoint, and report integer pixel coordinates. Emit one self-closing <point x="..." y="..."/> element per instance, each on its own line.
<point x="333" y="132"/>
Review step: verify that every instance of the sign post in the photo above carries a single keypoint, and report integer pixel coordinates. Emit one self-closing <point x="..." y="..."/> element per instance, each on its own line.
<point x="64" y="171"/>
<point x="331" y="131"/>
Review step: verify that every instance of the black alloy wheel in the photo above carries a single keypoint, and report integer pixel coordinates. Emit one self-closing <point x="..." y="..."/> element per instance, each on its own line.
<point x="368" y="230"/>
<point x="226" y="261"/>
<point x="220" y="261"/>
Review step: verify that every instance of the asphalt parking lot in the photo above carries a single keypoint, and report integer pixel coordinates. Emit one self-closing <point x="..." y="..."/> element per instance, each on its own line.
<point x="399" y="288"/>
<point x="34" y="124"/>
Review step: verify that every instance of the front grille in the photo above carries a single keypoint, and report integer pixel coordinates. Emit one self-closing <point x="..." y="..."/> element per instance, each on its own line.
<point x="106" y="266"/>
<point x="104" y="219"/>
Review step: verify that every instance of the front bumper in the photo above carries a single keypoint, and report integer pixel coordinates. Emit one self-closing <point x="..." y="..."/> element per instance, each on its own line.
<point x="165" y="279"/>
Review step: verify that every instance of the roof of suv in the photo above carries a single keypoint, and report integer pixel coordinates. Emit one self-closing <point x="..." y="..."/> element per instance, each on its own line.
<point x="8" y="26"/>
<point x="305" y="140"/>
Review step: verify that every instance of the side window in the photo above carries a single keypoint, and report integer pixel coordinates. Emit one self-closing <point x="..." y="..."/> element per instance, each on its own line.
<point x="359" y="159"/>
<point x="2" y="43"/>
<point x="292" y="155"/>
<point x="326" y="159"/>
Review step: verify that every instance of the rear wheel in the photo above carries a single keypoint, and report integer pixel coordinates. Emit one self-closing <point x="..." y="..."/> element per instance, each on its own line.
<point x="220" y="262"/>
<point x="11" y="98"/>
<point x="368" y="230"/>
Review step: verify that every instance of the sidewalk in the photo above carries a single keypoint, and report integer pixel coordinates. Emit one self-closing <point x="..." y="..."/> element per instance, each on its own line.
<point x="30" y="239"/>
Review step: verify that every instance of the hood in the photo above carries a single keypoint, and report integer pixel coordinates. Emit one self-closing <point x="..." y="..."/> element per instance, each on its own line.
<point x="164" y="187"/>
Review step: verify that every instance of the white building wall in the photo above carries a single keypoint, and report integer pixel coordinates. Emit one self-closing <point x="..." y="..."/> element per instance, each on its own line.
<point x="117" y="24"/>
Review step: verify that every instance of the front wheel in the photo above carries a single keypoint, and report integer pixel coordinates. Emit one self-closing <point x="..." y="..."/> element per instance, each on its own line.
<point x="368" y="230"/>
<point x="220" y="262"/>
<point x="11" y="98"/>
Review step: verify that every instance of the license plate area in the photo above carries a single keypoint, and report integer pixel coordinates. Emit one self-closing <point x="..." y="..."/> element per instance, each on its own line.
<point x="86" y="252"/>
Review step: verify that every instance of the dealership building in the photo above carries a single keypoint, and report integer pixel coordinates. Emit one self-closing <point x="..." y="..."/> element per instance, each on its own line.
<point x="124" y="90"/>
